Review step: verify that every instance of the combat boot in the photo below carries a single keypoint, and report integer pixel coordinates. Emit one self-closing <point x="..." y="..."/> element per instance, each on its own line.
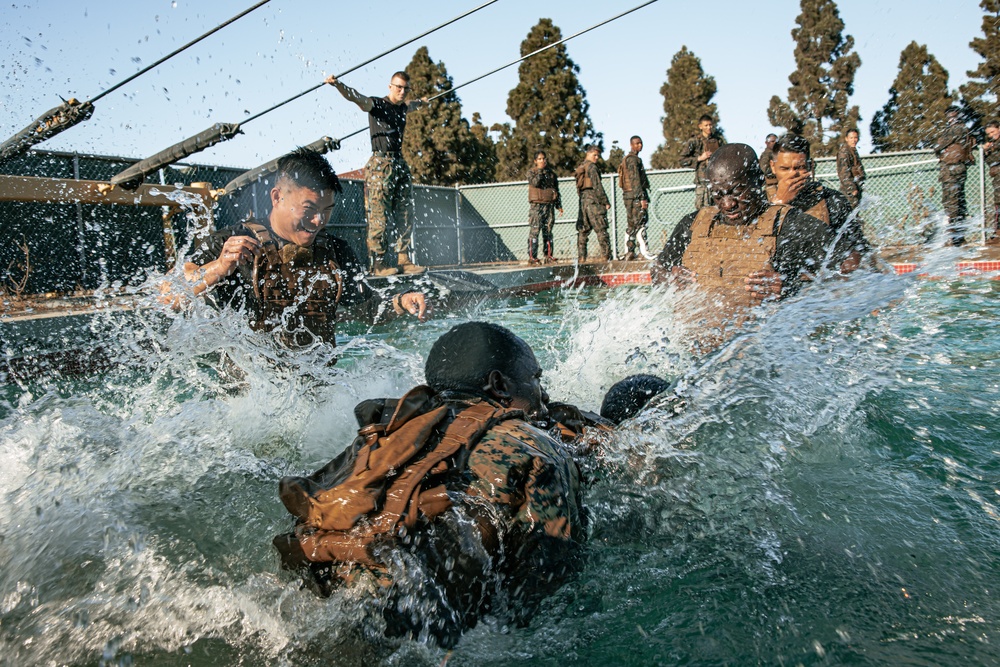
<point x="380" y="269"/>
<point x="408" y="267"/>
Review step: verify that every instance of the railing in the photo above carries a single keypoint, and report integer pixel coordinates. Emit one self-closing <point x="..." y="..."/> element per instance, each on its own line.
<point x="80" y="246"/>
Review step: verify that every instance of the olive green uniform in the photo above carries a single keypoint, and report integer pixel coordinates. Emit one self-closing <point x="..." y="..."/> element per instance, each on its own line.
<point x="635" y="192"/>
<point x="695" y="146"/>
<point x="953" y="148"/>
<point x="593" y="211"/>
<point x="851" y="173"/>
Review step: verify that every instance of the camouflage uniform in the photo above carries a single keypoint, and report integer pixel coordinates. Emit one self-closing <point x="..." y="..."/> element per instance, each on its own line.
<point x="593" y="210"/>
<point x="765" y="166"/>
<point x="388" y="203"/>
<point x="635" y="191"/>
<point x="851" y="173"/>
<point x="515" y="526"/>
<point x="992" y="157"/>
<point x="695" y="146"/>
<point x="953" y="148"/>
<point x="542" y="214"/>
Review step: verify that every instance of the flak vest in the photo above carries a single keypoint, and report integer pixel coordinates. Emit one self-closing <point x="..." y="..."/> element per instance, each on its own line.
<point x="820" y="211"/>
<point x="296" y="289"/>
<point x="399" y="477"/>
<point x="542" y="195"/>
<point x="723" y="255"/>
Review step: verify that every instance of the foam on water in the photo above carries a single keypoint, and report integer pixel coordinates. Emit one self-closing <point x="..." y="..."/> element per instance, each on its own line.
<point x="821" y="488"/>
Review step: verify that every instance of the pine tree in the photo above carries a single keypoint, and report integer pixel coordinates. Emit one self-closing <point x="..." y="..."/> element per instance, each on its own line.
<point x="823" y="79"/>
<point x="549" y="109"/>
<point x="687" y="96"/>
<point x="914" y="114"/>
<point x="439" y="145"/>
<point x="982" y="92"/>
<point x="615" y="157"/>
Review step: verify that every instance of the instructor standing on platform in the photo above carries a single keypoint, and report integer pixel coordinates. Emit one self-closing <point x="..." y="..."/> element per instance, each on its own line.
<point x="388" y="186"/>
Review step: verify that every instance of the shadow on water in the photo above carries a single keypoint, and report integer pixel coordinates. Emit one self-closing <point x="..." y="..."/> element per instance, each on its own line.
<point x="820" y="491"/>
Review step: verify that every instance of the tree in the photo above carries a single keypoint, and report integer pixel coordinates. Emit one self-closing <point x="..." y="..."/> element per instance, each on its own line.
<point x="615" y="157"/>
<point x="823" y="79"/>
<point x="549" y="109"/>
<point x="439" y="145"/>
<point x="982" y="92"/>
<point x="687" y="96"/>
<point x="914" y="114"/>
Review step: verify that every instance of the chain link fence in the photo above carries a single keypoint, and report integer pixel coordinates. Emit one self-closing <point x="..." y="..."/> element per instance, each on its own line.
<point x="86" y="246"/>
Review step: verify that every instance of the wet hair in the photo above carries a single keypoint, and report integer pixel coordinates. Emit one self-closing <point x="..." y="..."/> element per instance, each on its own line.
<point x="402" y="75"/>
<point x="792" y="143"/>
<point x="634" y="137"/>
<point x="740" y="161"/>
<point x="308" y="169"/>
<point x="854" y="130"/>
<point x="705" y="117"/>
<point x="463" y="358"/>
<point x="627" y="397"/>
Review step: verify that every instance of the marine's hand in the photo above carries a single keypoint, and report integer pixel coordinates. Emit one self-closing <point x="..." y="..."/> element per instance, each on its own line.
<point x="704" y="156"/>
<point x="644" y="204"/>
<point x="330" y="80"/>
<point x="607" y="206"/>
<point x="237" y="250"/>
<point x="683" y="276"/>
<point x="415" y="303"/>
<point x="788" y="188"/>
<point x="764" y="284"/>
<point x="560" y="211"/>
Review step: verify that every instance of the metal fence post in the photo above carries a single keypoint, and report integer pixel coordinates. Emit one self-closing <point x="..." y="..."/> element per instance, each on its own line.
<point x="982" y="194"/>
<point x="614" y="216"/>
<point x="458" y="226"/>
<point x="79" y="226"/>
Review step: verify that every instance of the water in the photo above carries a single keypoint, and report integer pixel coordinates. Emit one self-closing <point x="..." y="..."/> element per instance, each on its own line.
<point x="827" y="494"/>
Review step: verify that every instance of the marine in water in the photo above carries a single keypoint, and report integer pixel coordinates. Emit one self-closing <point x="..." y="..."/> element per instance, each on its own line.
<point x="453" y="498"/>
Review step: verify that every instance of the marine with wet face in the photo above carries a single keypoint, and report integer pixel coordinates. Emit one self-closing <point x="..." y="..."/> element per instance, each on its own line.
<point x="288" y="272"/>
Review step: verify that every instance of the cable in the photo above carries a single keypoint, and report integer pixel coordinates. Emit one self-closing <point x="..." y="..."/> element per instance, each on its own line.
<point x="174" y="53"/>
<point x="367" y="62"/>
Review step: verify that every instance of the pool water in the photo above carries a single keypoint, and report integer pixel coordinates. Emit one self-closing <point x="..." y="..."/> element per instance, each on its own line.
<point x="821" y="490"/>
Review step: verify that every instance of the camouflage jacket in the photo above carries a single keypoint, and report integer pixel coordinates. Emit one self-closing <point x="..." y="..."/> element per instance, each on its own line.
<point x="545" y="179"/>
<point x="991" y="153"/>
<point x="850" y="171"/>
<point x="635" y="183"/>
<point x="588" y="173"/>
<point x="955" y="139"/>
<point x="694" y="147"/>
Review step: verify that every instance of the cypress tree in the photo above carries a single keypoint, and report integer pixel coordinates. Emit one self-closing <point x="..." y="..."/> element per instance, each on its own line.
<point x="439" y="145"/>
<point x="914" y="114"/>
<point x="982" y="92"/>
<point x="549" y="109"/>
<point x="615" y="157"/>
<point x="823" y="80"/>
<point x="687" y="96"/>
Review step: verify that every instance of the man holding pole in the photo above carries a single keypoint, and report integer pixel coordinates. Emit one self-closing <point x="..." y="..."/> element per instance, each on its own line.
<point x="388" y="185"/>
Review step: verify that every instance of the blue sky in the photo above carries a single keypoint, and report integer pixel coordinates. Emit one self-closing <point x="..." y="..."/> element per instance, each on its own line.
<point x="78" y="49"/>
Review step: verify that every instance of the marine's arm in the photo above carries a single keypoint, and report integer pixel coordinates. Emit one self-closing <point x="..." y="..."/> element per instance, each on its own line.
<point x="229" y="249"/>
<point x="635" y="177"/>
<point x="802" y="245"/>
<point x="362" y="302"/>
<point x="690" y="153"/>
<point x="598" y="185"/>
<point x="364" y="102"/>
<point x="668" y="262"/>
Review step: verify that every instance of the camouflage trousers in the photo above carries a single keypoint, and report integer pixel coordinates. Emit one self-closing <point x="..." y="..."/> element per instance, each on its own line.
<point x="593" y="216"/>
<point x="541" y="218"/>
<point x="953" y="199"/>
<point x="993" y="222"/>
<point x="638" y="218"/>
<point x="702" y="197"/>
<point x="388" y="204"/>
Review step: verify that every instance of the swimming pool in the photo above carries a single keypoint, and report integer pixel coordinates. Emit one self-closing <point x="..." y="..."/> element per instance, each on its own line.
<point x="827" y="493"/>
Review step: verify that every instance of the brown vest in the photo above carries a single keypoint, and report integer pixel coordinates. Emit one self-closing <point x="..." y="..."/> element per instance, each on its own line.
<point x="723" y="255"/>
<point x="398" y="478"/>
<point x="821" y="212"/>
<point x="582" y="178"/>
<point x="296" y="289"/>
<point x="542" y="195"/>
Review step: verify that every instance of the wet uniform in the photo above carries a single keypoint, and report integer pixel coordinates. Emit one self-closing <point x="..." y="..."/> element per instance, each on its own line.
<point x="695" y="146"/>
<point x="833" y="208"/>
<point x="954" y="150"/>
<point x="543" y="202"/>
<point x="512" y="522"/>
<point x="851" y="173"/>
<point x="238" y="291"/>
<point x="593" y="210"/>
<point x="635" y="191"/>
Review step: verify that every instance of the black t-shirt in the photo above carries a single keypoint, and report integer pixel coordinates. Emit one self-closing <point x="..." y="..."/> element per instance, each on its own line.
<point x="386" y="122"/>
<point x="802" y="242"/>
<point x="234" y="291"/>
